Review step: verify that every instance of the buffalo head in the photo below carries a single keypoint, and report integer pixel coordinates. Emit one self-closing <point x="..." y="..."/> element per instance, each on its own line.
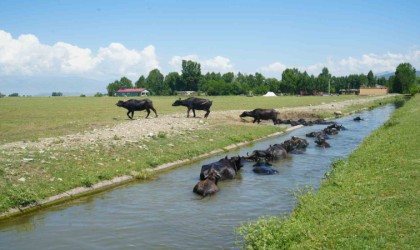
<point x="245" y="114"/>
<point x="120" y="103"/>
<point x="177" y="102"/>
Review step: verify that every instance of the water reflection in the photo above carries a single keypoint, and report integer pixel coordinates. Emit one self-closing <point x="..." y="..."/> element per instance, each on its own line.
<point x="166" y="214"/>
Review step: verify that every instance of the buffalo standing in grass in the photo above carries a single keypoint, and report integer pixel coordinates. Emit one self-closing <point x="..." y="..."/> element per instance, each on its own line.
<point x="262" y="114"/>
<point x="137" y="105"/>
<point x="226" y="168"/>
<point x="194" y="103"/>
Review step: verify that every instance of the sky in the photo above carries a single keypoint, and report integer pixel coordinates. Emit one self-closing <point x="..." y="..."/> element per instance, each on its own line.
<point x="42" y="41"/>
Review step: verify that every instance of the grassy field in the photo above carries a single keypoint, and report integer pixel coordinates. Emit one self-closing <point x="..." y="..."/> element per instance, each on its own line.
<point x="368" y="201"/>
<point x="28" y="176"/>
<point x="30" y="118"/>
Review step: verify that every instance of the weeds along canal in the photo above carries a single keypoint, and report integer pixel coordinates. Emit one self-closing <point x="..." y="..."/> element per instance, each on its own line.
<point x="164" y="213"/>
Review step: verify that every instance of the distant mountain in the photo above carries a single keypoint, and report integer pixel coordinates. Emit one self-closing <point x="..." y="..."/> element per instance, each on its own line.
<point x="387" y="74"/>
<point x="45" y="85"/>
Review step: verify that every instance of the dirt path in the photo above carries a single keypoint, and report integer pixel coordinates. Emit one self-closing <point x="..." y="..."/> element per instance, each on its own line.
<point x="132" y="131"/>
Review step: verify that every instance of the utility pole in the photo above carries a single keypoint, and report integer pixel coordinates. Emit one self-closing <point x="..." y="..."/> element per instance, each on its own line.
<point x="329" y="86"/>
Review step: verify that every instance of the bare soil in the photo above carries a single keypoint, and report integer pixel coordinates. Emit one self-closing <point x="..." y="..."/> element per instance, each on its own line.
<point x="172" y="124"/>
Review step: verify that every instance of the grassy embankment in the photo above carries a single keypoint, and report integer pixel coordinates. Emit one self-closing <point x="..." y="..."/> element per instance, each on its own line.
<point x="368" y="201"/>
<point x="50" y="172"/>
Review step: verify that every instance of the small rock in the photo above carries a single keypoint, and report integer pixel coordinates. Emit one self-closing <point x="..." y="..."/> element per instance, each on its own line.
<point x="27" y="159"/>
<point x="22" y="179"/>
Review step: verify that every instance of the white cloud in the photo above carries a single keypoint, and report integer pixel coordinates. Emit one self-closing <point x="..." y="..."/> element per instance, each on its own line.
<point x="27" y="56"/>
<point x="351" y="65"/>
<point x="274" y="69"/>
<point x="216" y="64"/>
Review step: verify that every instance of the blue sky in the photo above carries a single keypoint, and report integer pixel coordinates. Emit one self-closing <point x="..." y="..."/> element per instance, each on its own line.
<point x="106" y="40"/>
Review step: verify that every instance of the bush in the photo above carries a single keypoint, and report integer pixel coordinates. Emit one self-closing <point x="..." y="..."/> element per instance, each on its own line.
<point x="98" y="94"/>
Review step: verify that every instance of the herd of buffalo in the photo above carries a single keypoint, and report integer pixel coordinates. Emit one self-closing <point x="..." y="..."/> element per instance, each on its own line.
<point x="227" y="168"/>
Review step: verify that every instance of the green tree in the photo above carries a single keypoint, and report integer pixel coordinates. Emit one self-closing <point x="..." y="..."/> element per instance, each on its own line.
<point x="155" y="83"/>
<point x="173" y="80"/>
<point x="323" y="80"/>
<point x="405" y="79"/>
<point x="228" y="77"/>
<point x="371" y="79"/>
<point x="289" y="81"/>
<point x="141" y="82"/>
<point x="191" y="74"/>
<point x="125" y="83"/>
<point x="113" y="87"/>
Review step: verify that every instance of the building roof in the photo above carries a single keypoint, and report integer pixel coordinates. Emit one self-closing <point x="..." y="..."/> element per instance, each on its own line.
<point x="131" y="90"/>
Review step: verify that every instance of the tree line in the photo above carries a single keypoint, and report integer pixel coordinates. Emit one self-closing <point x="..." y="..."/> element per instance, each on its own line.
<point x="293" y="82"/>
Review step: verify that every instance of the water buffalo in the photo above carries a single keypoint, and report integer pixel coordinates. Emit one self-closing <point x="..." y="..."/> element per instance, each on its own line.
<point x="320" y="141"/>
<point x="295" y="145"/>
<point x="263" y="167"/>
<point x="262" y="114"/>
<point x="226" y="168"/>
<point x="317" y="133"/>
<point x="207" y="186"/>
<point x="194" y="103"/>
<point x="272" y="153"/>
<point x="358" y="119"/>
<point x="137" y="105"/>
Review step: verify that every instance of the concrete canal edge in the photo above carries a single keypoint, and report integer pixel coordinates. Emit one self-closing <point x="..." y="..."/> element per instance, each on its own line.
<point x="118" y="181"/>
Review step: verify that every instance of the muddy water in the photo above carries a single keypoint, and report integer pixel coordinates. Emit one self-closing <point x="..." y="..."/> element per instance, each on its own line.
<point x="165" y="214"/>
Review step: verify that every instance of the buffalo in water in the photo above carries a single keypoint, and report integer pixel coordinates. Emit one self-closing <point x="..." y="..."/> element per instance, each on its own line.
<point x="226" y="168"/>
<point x="272" y="153"/>
<point x="208" y="186"/>
<point x="194" y="103"/>
<point x="263" y="167"/>
<point x="137" y="105"/>
<point x="295" y="145"/>
<point x="262" y="114"/>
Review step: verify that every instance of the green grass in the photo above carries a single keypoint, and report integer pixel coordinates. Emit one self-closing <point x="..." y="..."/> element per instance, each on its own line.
<point x="51" y="172"/>
<point x="31" y="118"/>
<point x="368" y="201"/>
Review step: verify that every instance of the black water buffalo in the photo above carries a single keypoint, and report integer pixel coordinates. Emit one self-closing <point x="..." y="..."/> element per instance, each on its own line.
<point x="272" y="153"/>
<point x="262" y="114"/>
<point x="263" y="167"/>
<point x="207" y="186"/>
<point x="137" y="105"/>
<point x="194" y="103"/>
<point x="226" y="168"/>
<point x="295" y="145"/>
<point x="358" y="119"/>
<point x="320" y="142"/>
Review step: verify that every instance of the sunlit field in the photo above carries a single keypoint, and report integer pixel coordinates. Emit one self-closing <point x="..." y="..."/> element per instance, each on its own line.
<point x="30" y="118"/>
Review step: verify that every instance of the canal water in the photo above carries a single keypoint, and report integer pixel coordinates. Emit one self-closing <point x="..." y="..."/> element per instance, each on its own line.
<point x="165" y="214"/>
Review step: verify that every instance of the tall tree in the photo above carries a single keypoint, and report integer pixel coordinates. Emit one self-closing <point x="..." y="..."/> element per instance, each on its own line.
<point x="113" y="87"/>
<point x="126" y="83"/>
<point x="323" y="80"/>
<point x="405" y="79"/>
<point x="228" y="77"/>
<point x="141" y="82"/>
<point x="289" y="81"/>
<point x="191" y="74"/>
<point x="155" y="83"/>
<point x="371" y="79"/>
<point x="173" y="80"/>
